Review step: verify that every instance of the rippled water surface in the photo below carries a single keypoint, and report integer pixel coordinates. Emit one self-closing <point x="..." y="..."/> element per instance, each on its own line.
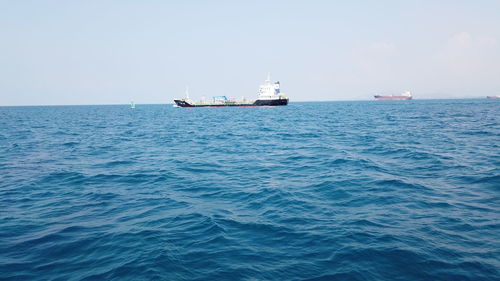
<point x="311" y="191"/>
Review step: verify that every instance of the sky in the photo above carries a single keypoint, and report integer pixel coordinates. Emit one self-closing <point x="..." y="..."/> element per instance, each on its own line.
<point x="112" y="52"/>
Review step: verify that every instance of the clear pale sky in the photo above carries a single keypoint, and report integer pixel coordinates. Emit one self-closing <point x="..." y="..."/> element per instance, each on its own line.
<point x="111" y="52"/>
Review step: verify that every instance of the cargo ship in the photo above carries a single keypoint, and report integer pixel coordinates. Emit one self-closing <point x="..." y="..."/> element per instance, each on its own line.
<point x="269" y="95"/>
<point x="493" y="97"/>
<point x="403" y="96"/>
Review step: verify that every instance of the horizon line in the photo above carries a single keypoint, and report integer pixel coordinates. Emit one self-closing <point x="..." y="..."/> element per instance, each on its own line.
<point x="299" y="101"/>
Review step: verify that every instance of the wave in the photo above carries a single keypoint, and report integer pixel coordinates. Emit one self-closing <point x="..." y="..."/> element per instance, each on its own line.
<point x="312" y="191"/>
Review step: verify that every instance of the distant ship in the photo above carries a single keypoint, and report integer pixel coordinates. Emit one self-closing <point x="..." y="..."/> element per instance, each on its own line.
<point x="269" y="95"/>
<point x="403" y="96"/>
<point x="493" y="97"/>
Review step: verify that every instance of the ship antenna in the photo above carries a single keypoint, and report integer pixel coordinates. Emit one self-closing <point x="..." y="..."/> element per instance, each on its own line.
<point x="269" y="76"/>
<point x="187" y="92"/>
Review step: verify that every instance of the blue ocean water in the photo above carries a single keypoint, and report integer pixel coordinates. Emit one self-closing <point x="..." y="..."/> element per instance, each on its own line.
<point x="311" y="191"/>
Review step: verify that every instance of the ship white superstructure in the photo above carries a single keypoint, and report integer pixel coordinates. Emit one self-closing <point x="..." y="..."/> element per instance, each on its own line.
<point x="270" y="91"/>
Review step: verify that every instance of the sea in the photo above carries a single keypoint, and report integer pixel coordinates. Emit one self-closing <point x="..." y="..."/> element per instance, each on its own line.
<point x="347" y="190"/>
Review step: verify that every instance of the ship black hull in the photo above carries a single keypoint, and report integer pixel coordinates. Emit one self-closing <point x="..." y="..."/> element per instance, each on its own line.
<point x="271" y="102"/>
<point x="276" y="102"/>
